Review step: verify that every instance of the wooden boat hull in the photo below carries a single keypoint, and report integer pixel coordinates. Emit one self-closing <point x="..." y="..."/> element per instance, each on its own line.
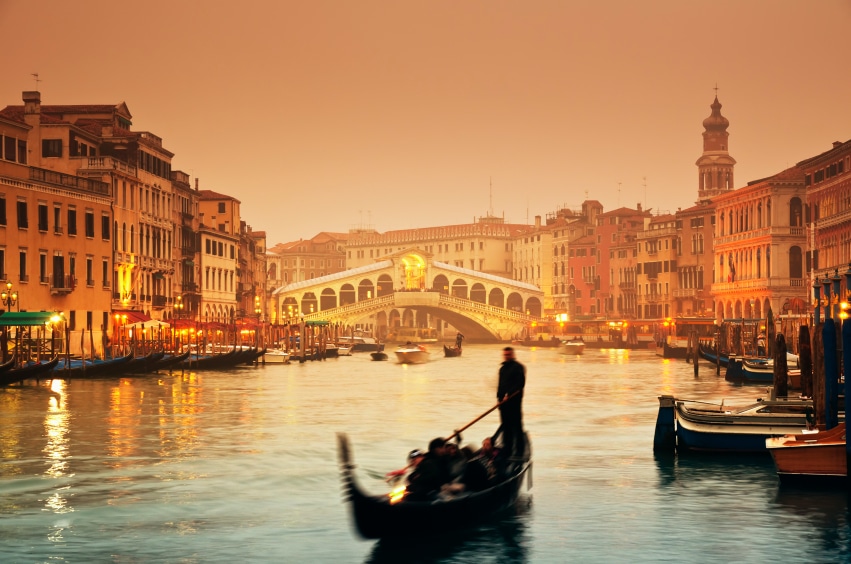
<point x="378" y="355"/>
<point x="709" y="354"/>
<point x="451" y="351"/>
<point x="810" y="458"/>
<point x="376" y="517"/>
<point x="37" y="370"/>
<point x="741" y="430"/>
<point x="667" y="351"/>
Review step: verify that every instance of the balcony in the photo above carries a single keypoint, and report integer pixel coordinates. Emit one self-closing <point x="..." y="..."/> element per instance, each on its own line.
<point x="189" y="287"/>
<point x="758" y="284"/>
<point x="686" y="292"/>
<point x="61" y="285"/>
<point x="103" y="164"/>
<point x="159" y="301"/>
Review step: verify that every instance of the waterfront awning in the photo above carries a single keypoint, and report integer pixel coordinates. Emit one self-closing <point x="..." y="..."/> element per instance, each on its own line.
<point x="25" y="318"/>
<point x="317" y="323"/>
<point x="150" y="324"/>
<point x="129" y="316"/>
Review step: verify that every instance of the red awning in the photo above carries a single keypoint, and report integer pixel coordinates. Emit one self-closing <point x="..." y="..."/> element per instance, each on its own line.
<point x="132" y="316"/>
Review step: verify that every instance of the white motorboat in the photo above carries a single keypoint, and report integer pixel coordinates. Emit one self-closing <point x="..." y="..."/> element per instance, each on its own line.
<point x="276" y="356"/>
<point x="344" y="350"/>
<point x="412" y="354"/>
<point x="572" y="346"/>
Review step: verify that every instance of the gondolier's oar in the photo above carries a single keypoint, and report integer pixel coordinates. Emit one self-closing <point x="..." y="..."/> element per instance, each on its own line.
<point x="457" y="432"/>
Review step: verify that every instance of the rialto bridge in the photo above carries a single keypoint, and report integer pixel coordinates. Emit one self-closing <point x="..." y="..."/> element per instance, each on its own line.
<point x="409" y="289"/>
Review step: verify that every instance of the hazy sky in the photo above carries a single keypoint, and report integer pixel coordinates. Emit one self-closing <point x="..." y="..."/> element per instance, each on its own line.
<point x="327" y="115"/>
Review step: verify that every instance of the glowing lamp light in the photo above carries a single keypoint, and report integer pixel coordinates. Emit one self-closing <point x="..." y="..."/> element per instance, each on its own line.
<point x="397" y="495"/>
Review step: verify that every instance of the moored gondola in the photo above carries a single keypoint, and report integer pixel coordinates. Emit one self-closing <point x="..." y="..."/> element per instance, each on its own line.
<point x="393" y="516"/>
<point x="88" y="369"/>
<point x="33" y="370"/>
<point x="169" y="362"/>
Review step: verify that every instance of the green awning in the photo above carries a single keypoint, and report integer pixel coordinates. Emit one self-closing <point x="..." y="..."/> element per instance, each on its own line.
<point x="316" y="323"/>
<point x="25" y="318"/>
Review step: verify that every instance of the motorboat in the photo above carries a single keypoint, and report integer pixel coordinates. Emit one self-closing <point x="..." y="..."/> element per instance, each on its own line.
<point x="412" y="354"/>
<point x="572" y="346"/>
<point x="344" y="350"/>
<point x="814" y="457"/>
<point x="707" y="427"/>
<point x="276" y="356"/>
<point x="360" y="343"/>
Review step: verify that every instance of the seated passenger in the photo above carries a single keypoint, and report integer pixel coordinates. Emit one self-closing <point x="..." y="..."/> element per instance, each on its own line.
<point x="414" y="458"/>
<point x="455" y="460"/>
<point x="430" y="474"/>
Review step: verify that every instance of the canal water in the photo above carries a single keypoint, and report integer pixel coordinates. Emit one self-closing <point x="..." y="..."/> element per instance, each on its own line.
<point x="242" y="466"/>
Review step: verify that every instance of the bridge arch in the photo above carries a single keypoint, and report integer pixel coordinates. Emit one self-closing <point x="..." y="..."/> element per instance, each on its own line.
<point x="533" y="307"/>
<point x="441" y="284"/>
<point x="478" y="293"/>
<point x="459" y="288"/>
<point x="366" y="290"/>
<point x="328" y="299"/>
<point x="309" y="303"/>
<point x="347" y="294"/>
<point x="515" y="302"/>
<point x="384" y="285"/>
<point x="496" y="297"/>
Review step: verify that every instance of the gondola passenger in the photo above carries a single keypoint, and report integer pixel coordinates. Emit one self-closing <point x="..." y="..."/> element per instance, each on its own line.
<point x="431" y="473"/>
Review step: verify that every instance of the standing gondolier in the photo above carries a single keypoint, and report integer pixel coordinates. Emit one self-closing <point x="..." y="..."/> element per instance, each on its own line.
<point x="459" y="338"/>
<point x="512" y="380"/>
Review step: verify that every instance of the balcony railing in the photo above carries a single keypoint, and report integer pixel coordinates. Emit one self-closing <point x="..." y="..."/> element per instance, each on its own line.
<point x="159" y="301"/>
<point x="62" y="284"/>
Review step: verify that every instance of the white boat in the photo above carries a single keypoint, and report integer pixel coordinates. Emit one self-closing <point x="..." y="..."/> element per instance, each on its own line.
<point x="572" y="346"/>
<point x="276" y="356"/>
<point x="412" y="354"/>
<point x="344" y="350"/>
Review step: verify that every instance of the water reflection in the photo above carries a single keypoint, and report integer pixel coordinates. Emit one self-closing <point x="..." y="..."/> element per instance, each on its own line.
<point x="500" y="540"/>
<point x="56" y="432"/>
<point x="821" y="514"/>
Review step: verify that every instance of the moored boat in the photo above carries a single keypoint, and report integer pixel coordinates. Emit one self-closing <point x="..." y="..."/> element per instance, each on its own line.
<point x="813" y="458"/>
<point x="276" y="356"/>
<point x="699" y="426"/>
<point x="412" y="354"/>
<point x="378" y="355"/>
<point x="27" y="371"/>
<point x="393" y="516"/>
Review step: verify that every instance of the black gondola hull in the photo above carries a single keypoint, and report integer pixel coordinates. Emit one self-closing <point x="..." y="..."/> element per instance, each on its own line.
<point x="375" y="517"/>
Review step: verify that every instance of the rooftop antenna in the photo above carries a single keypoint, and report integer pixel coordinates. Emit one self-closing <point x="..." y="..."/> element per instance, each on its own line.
<point x="644" y="178"/>
<point x="37" y="80"/>
<point x="619" y="194"/>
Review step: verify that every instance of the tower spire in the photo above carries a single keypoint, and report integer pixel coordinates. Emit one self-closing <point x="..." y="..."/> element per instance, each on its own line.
<point x="715" y="165"/>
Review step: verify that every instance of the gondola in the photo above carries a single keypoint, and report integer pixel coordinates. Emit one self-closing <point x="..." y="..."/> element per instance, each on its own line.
<point x="451" y="351"/>
<point x="89" y="369"/>
<point x="170" y="361"/>
<point x="382" y="516"/>
<point x="34" y="370"/>
<point x="8" y="365"/>
<point x="213" y="361"/>
<point x="378" y="355"/>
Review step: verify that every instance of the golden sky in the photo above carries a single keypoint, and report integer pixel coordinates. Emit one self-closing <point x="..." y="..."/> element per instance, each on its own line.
<point x="328" y="115"/>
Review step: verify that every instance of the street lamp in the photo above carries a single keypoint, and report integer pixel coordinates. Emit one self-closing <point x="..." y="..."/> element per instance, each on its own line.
<point x="178" y="307"/>
<point x="9" y="296"/>
<point x="257" y="309"/>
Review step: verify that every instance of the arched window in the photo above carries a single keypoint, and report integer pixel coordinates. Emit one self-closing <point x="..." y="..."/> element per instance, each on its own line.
<point x="796" y="265"/>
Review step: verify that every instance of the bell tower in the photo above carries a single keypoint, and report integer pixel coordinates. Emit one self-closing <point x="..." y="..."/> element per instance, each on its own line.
<point x="715" y="166"/>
